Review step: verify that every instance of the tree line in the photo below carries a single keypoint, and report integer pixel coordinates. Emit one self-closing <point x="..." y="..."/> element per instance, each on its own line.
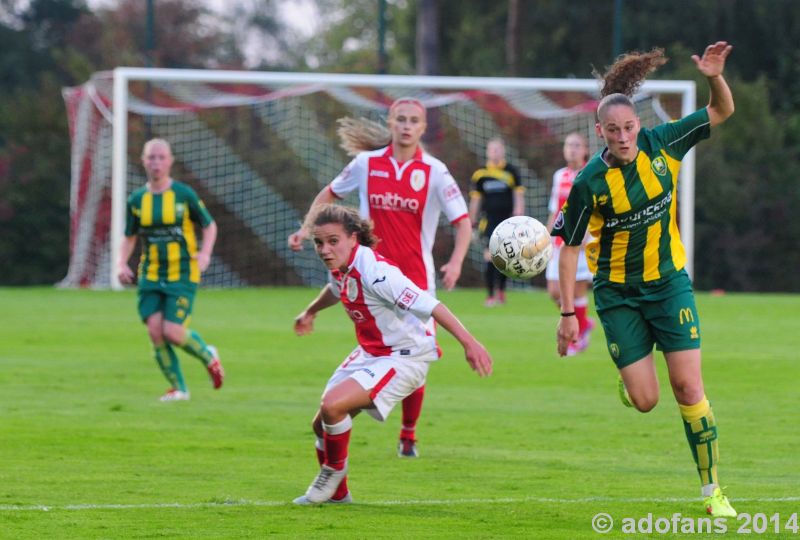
<point x="747" y="190"/>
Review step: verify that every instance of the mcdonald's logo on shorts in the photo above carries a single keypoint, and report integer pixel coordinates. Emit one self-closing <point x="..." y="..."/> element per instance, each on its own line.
<point x="685" y="315"/>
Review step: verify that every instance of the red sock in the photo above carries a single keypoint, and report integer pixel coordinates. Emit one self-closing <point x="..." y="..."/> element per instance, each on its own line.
<point x="336" y="449"/>
<point x="580" y="314"/>
<point x="412" y="408"/>
<point x="342" y="490"/>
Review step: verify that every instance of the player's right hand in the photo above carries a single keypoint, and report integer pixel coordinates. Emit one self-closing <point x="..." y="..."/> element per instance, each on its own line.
<point x="304" y="324"/>
<point x="567" y="333"/>
<point x="296" y="239"/>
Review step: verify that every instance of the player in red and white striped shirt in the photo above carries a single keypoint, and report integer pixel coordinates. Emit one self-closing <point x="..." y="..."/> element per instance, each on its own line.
<point x="576" y="154"/>
<point x="403" y="190"/>
<point x="395" y="346"/>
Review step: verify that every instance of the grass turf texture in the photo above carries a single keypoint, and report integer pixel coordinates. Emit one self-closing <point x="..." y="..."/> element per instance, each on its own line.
<point x="536" y="450"/>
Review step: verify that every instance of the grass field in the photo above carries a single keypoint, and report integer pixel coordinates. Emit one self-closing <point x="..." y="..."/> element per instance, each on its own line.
<point x="535" y="451"/>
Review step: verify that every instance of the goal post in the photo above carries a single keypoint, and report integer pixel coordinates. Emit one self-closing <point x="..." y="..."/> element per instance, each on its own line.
<point x="257" y="146"/>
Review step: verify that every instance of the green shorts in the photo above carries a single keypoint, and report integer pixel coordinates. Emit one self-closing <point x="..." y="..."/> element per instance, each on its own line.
<point x="636" y="317"/>
<point x="176" y="305"/>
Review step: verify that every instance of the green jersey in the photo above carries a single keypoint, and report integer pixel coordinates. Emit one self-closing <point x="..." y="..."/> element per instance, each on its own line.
<point x="165" y="222"/>
<point x="631" y="211"/>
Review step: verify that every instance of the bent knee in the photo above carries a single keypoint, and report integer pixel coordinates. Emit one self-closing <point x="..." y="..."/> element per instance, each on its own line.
<point x="645" y="403"/>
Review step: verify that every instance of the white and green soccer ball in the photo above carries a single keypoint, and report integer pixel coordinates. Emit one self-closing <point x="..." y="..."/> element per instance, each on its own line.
<point x="520" y="247"/>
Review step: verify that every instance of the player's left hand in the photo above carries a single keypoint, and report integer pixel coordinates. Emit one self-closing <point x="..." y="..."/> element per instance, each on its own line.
<point x="713" y="61"/>
<point x="478" y="358"/>
<point x="450" y="274"/>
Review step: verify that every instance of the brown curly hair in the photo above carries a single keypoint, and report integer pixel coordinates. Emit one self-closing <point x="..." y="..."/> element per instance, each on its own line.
<point x="345" y="216"/>
<point x="624" y="77"/>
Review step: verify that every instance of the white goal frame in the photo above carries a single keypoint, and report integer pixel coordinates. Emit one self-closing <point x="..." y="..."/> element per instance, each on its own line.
<point x="124" y="75"/>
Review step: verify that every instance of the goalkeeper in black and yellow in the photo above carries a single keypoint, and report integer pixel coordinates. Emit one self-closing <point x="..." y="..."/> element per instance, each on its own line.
<point x="163" y="213"/>
<point x="626" y="197"/>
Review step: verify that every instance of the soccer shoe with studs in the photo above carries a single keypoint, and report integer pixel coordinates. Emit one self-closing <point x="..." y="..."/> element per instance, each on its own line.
<point x="407" y="448"/>
<point x="718" y="505"/>
<point x="324" y="485"/>
<point x="624" y="396"/>
<point x="215" y="370"/>
<point x="173" y="394"/>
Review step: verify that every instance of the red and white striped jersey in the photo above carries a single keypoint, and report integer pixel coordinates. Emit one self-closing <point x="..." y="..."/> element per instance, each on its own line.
<point x="404" y="200"/>
<point x="563" y="179"/>
<point x="387" y="308"/>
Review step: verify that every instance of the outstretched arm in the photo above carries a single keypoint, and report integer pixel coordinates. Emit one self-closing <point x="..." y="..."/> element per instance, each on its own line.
<point x="711" y="65"/>
<point x="304" y="323"/>
<point x="476" y="354"/>
<point x="296" y="238"/>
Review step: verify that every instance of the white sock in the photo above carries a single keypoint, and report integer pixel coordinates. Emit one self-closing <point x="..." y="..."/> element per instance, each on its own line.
<point x="708" y="489"/>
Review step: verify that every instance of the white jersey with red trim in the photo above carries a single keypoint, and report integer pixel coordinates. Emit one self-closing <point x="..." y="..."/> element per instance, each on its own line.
<point x="388" y="309"/>
<point x="404" y="200"/>
<point x="563" y="179"/>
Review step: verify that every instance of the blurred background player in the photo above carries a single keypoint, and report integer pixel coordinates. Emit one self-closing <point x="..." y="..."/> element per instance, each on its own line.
<point x="576" y="154"/>
<point x="394" y="348"/>
<point x="163" y="214"/>
<point x="626" y="196"/>
<point x="403" y="190"/>
<point x="497" y="194"/>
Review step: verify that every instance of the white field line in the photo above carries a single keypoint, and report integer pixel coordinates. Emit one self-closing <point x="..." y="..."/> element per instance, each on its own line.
<point x="418" y="502"/>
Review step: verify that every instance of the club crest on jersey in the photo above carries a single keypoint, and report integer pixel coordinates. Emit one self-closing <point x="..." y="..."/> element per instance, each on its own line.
<point x="417" y="180"/>
<point x="407" y="299"/>
<point x="659" y="166"/>
<point x="351" y="289"/>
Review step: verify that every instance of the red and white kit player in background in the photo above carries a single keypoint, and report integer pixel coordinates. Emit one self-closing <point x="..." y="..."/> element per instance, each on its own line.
<point x="394" y="348"/>
<point x="576" y="154"/>
<point x="403" y="190"/>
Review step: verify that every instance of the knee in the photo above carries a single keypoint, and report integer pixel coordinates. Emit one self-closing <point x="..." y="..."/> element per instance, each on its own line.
<point x="174" y="334"/>
<point x="688" y="392"/>
<point x="331" y="410"/>
<point x="644" y="404"/>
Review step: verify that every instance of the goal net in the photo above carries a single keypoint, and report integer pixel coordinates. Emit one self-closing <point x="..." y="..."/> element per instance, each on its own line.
<point x="258" y="146"/>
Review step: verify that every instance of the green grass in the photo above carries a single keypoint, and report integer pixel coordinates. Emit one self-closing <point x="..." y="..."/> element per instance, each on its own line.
<point x="534" y="451"/>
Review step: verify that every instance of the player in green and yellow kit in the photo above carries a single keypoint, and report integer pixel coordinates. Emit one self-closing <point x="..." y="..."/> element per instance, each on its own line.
<point x="163" y="214"/>
<point x="626" y="197"/>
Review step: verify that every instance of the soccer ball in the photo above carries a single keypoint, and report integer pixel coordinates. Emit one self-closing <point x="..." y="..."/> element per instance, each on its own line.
<point x="520" y="247"/>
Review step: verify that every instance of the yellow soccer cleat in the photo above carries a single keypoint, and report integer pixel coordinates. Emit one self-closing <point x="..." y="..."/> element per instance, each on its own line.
<point x="624" y="397"/>
<point x="718" y="505"/>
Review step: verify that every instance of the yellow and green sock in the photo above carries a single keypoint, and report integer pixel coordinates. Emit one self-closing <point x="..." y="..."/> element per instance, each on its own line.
<point x="701" y="433"/>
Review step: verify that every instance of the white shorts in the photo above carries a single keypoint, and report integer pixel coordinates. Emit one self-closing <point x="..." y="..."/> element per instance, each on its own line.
<point x="583" y="273"/>
<point x="389" y="379"/>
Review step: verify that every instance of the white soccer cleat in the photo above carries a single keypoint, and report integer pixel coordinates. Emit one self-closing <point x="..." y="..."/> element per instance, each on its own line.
<point x="173" y="394"/>
<point x="347" y="499"/>
<point x="324" y="485"/>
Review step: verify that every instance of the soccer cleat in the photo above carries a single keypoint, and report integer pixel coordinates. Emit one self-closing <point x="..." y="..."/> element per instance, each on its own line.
<point x="347" y="499"/>
<point x="215" y="370"/>
<point x="173" y="394"/>
<point x="624" y="396"/>
<point x="407" y="448"/>
<point x="500" y="297"/>
<point x="490" y="302"/>
<point x="718" y="505"/>
<point x="324" y="485"/>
